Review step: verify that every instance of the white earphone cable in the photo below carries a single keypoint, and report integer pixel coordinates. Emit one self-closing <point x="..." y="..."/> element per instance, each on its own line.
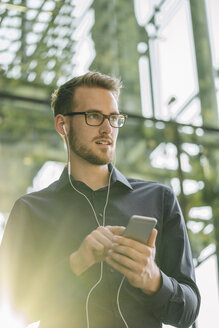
<point x="97" y="221"/>
<point x="118" y="304"/>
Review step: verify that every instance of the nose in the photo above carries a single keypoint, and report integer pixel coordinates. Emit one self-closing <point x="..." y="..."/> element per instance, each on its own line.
<point x="105" y="127"/>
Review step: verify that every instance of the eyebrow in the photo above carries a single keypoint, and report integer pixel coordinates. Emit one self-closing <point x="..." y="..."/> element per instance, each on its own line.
<point x="98" y="111"/>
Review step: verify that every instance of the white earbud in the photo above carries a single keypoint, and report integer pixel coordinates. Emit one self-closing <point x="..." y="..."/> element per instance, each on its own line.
<point x="64" y="129"/>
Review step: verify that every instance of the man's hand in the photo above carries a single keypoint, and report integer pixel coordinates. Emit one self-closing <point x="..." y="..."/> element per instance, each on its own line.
<point x="94" y="248"/>
<point x="136" y="261"/>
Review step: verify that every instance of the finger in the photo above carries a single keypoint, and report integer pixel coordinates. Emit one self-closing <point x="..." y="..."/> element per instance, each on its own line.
<point x="135" y="255"/>
<point x="133" y="277"/>
<point x="152" y="238"/>
<point x="123" y="241"/>
<point x="128" y="262"/>
<point x="94" y="245"/>
<point x="102" y="236"/>
<point x="116" y="230"/>
<point x="106" y="232"/>
<point x="116" y="265"/>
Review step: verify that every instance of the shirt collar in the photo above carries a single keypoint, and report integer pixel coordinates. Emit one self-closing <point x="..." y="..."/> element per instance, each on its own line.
<point x="117" y="176"/>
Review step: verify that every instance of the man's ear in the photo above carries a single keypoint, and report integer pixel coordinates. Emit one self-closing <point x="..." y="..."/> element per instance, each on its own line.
<point x="60" y="124"/>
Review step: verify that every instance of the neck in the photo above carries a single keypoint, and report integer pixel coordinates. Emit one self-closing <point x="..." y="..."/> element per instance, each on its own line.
<point x="94" y="176"/>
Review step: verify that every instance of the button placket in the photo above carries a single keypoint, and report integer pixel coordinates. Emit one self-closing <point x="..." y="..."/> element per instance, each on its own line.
<point x="98" y="206"/>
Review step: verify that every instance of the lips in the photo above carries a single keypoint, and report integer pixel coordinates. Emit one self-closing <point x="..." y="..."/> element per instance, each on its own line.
<point x="104" y="141"/>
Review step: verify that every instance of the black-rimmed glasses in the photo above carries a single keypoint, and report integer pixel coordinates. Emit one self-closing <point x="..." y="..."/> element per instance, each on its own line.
<point x="96" y="118"/>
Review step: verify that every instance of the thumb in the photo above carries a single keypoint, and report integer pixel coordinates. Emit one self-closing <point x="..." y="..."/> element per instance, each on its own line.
<point x="116" y="230"/>
<point x="152" y="238"/>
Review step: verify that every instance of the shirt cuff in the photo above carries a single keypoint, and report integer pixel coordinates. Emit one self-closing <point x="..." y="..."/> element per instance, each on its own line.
<point x="164" y="294"/>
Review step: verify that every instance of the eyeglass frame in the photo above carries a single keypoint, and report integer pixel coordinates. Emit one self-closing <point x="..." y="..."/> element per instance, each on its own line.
<point x="103" y="116"/>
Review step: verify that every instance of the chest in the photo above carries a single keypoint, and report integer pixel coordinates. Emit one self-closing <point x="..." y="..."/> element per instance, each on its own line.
<point x="61" y="225"/>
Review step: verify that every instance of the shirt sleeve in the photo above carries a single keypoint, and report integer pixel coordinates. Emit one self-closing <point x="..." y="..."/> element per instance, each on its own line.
<point x="30" y="281"/>
<point x="178" y="300"/>
<point x="22" y="280"/>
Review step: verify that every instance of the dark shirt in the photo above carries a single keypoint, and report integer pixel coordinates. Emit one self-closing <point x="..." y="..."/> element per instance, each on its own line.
<point x="45" y="227"/>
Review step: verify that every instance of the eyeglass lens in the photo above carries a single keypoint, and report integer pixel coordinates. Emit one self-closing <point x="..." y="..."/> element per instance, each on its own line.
<point x="116" y="120"/>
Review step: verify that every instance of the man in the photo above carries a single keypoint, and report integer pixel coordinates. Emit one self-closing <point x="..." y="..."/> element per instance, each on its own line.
<point x="65" y="260"/>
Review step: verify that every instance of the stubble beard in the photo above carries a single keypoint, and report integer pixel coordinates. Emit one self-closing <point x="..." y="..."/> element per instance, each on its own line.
<point x="86" y="153"/>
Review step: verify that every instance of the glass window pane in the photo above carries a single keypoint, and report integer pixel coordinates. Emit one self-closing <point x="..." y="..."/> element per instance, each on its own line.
<point x="178" y="81"/>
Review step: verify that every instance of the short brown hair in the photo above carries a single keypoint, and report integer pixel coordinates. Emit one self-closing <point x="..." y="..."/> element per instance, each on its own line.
<point x="62" y="98"/>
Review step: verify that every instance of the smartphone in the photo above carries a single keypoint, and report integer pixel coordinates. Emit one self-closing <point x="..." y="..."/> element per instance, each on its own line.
<point x="139" y="228"/>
